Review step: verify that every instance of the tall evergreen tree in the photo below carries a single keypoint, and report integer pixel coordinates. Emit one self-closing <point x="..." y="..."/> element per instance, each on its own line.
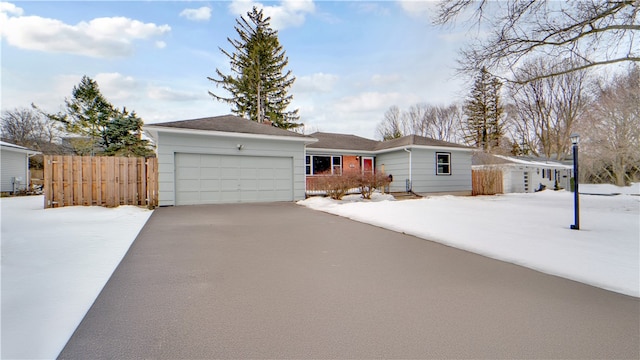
<point x="87" y="113"/>
<point x="102" y="128"/>
<point x="123" y="136"/>
<point x="484" y="112"/>
<point x="258" y="85"/>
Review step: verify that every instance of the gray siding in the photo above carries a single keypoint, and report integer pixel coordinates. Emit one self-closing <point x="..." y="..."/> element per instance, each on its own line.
<point x="14" y="164"/>
<point x="423" y="170"/>
<point x="169" y="144"/>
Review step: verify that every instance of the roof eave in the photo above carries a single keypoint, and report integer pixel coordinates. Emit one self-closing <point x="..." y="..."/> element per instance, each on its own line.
<point x="342" y="151"/>
<point x="20" y="150"/>
<point x="154" y="130"/>
<point x="426" y="147"/>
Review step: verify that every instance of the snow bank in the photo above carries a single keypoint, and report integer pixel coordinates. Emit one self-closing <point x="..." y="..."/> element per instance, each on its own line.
<point x="55" y="262"/>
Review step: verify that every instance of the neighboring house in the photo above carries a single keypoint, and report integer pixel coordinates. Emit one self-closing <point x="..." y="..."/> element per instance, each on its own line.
<point x="14" y="168"/>
<point x="525" y="174"/>
<point x="416" y="163"/>
<point x="227" y="159"/>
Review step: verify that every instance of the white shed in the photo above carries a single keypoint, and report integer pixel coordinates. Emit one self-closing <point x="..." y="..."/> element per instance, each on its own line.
<point x="14" y="168"/>
<point x="227" y="159"/>
<point x="526" y="174"/>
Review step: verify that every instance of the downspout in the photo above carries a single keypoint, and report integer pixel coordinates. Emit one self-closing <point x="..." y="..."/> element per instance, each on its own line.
<point x="409" y="187"/>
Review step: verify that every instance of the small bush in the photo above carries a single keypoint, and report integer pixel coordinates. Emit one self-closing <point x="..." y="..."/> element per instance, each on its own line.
<point x="370" y="182"/>
<point x="337" y="186"/>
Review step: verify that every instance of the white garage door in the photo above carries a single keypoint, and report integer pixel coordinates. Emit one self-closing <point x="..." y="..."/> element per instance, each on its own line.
<point x="221" y="179"/>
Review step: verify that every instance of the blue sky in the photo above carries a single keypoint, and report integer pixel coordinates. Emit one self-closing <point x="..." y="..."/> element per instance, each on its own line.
<point x="352" y="59"/>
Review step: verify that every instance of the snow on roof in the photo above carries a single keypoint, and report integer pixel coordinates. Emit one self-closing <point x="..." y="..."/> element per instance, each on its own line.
<point x="536" y="162"/>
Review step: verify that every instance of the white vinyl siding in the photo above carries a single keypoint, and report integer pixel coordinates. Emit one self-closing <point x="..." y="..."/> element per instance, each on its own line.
<point x="424" y="178"/>
<point x="14" y="164"/>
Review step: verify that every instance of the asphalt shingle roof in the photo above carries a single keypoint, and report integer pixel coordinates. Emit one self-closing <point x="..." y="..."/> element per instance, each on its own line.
<point x="342" y="142"/>
<point x="417" y="140"/>
<point x="229" y="123"/>
<point x="352" y="142"/>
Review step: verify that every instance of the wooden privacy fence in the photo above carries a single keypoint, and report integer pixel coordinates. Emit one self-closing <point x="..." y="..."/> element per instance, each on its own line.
<point x="486" y="182"/>
<point x="100" y="180"/>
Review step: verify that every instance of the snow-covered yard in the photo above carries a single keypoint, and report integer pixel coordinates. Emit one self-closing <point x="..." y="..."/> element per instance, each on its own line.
<point x="531" y="230"/>
<point x="56" y="261"/>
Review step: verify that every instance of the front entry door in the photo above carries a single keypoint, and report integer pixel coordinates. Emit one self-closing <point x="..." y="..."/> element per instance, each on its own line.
<point x="367" y="165"/>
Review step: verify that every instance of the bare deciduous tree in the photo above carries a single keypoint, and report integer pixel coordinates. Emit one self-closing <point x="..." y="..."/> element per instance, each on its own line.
<point x="438" y="122"/>
<point x="444" y="123"/>
<point x="393" y="126"/>
<point x="543" y="112"/>
<point x="29" y="128"/>
<point x="589" y="32"/>
<point x="610" y="134"/>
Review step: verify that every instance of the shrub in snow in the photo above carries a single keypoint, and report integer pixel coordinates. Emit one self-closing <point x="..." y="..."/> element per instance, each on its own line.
<point x="370" y="182"/>
<point x="337" y="186"/>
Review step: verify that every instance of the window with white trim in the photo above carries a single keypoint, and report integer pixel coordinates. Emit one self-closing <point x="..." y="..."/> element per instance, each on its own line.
<point x="443" y="163"/>
<point x="323" y="165"/>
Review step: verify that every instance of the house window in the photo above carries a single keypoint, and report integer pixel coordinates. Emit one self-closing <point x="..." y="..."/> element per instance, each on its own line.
<point x="323" y="164"/>
<point x="443" y="163"/>
<point x="337" y="165"/>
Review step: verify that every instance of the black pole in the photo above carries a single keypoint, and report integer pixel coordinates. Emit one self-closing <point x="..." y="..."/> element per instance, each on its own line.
<point x="576" y="199"/>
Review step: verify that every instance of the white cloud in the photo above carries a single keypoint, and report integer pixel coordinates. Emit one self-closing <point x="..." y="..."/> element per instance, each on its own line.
<point x="316" y="82"/>
<point x="289" y="13"/>
<point x="107" y="37"/>
<point x="164" y="93"/>
<point x="9" y="8"/>
<point x="389" y="79"/>
<point x="200" y="14"/>
<point x="161" y="44"/>
<point x="416" y="8"/>
<point x="374" y="101"/>
<point x="117" y="87"/>
<point x="372" y="8"/>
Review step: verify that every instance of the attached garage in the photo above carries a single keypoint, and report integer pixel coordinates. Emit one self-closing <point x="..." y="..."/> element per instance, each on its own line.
<point x="219" y="179"/>
<point x="227" y="159"/>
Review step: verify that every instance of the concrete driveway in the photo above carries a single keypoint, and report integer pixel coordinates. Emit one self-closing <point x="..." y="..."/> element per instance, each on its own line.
<point x="282" y="281"/>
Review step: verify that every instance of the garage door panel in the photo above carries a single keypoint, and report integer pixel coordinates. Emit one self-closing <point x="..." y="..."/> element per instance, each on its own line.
<point x="188" y="160"/>
<point x="188" y="173"/>
<point x="228" y="161"/>
<point x="210" y="173"/>
<point x="210" y="161"/>
<point x="229" y="185"/>
<point x="192" y="197"/>
<point x="187" y="185"/>
<point x="248" y="173"/>
<point x="229" y="173"/>
<point x="248" y="185"/>
<point x="209" y="197"/>
<point x="266" y="184"/>
<point x="283" y="185"/>
<point x="212" y="179"/>
<point x="207" y="185"/>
